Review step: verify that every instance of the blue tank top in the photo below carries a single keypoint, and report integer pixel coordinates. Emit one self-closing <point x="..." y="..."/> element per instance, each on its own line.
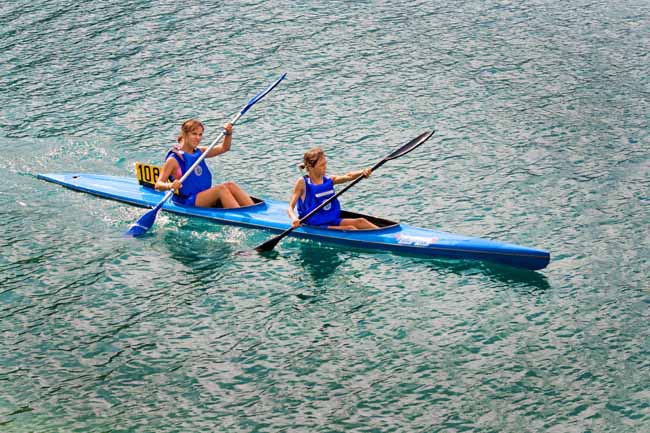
<point x="199" y="180"/>
<point x="314" y="196"/>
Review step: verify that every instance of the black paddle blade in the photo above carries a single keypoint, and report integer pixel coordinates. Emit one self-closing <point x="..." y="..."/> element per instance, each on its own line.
<point x="410" y="145"/>
<point x="270" y="244"/>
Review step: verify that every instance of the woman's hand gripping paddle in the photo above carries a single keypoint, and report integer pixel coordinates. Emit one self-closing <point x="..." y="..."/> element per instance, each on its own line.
<point x="271" y="243"/>
<point x="142" y="225"/>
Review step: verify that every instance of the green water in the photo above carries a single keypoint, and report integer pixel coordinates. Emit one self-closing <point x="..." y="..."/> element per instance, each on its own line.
<point x="542" y="112"/>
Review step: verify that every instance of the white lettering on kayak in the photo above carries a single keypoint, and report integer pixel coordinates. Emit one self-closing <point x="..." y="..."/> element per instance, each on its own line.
<point x="415" y="240"/>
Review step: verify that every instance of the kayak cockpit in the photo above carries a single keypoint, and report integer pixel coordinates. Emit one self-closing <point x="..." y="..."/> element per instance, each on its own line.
<point x="256" y="202"/>
<point x="381" y="223"/>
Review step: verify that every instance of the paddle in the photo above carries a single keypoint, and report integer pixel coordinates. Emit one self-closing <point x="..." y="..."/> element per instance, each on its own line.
<point x="271" y="243"/>
<point x="145" y="222"/>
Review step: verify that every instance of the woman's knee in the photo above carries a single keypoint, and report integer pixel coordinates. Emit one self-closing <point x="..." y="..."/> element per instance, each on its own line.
<point x="230" y="185"/>
<point x="221" y="188"/>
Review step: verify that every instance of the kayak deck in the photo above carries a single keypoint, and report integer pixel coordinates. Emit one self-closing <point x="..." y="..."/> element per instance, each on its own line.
<point x="271" y="215"/>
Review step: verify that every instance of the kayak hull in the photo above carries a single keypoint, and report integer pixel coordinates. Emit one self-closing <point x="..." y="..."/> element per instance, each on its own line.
<point x="271" y="215"/>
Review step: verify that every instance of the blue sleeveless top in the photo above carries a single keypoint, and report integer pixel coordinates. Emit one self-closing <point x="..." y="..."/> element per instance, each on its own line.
<point x="314" y="196"/>
<point x="199" y="180"/>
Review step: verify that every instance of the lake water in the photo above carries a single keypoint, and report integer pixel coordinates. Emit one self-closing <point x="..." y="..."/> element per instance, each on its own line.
<point x="541" y="110"/>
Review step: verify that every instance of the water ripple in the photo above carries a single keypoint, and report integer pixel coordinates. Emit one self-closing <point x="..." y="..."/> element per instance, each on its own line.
<point x="541" y="117"/>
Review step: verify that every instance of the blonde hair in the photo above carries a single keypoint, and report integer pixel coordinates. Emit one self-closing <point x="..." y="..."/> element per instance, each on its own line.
<point x="189" y="126"/>
<point x="311" y="157"/>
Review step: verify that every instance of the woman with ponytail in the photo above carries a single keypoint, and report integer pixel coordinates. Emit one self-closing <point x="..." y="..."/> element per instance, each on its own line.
<point x="315" y="187"/>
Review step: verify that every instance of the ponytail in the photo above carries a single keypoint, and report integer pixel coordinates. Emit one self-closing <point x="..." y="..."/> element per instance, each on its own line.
<point x="311" y="157"/>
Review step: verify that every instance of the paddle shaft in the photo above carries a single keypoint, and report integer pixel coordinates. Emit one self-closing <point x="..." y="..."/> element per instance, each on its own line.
<point x="216" y="140"/>
<point x="396" y="154"/>
<point x="270" y="244"/>
<point x="145" y="222"/>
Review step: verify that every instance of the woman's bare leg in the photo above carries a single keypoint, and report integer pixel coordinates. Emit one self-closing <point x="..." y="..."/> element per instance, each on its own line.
<point x="211" y="196"/>
<point x="242" y="198"/>
<point x="354" y="224"/>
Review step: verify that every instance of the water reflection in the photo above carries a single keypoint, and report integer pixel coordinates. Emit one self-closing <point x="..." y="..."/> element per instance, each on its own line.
<point x="510" y="276"/>
<point x="197" y="247"/>
<point x="518" y="278"/>
<point x="318" y="260"/>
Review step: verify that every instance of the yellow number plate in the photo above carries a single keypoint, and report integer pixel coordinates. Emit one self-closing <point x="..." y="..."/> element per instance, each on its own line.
<point x="147" y="174"/>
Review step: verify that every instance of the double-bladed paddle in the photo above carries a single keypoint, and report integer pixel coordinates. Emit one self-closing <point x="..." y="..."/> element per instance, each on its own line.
<point x="145" y="222"/>
<point x="271" y="243"/>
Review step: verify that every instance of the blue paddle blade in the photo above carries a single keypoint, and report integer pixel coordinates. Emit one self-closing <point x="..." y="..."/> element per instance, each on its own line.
<point x="262" y="94"/>
<point x="142" y="225"/>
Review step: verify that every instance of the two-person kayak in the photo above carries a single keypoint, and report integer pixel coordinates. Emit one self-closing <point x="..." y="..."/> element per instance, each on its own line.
<point x="272" y="216"/>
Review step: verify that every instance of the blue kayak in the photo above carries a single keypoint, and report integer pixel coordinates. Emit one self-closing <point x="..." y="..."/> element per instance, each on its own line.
<point x="272" y="216"/>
